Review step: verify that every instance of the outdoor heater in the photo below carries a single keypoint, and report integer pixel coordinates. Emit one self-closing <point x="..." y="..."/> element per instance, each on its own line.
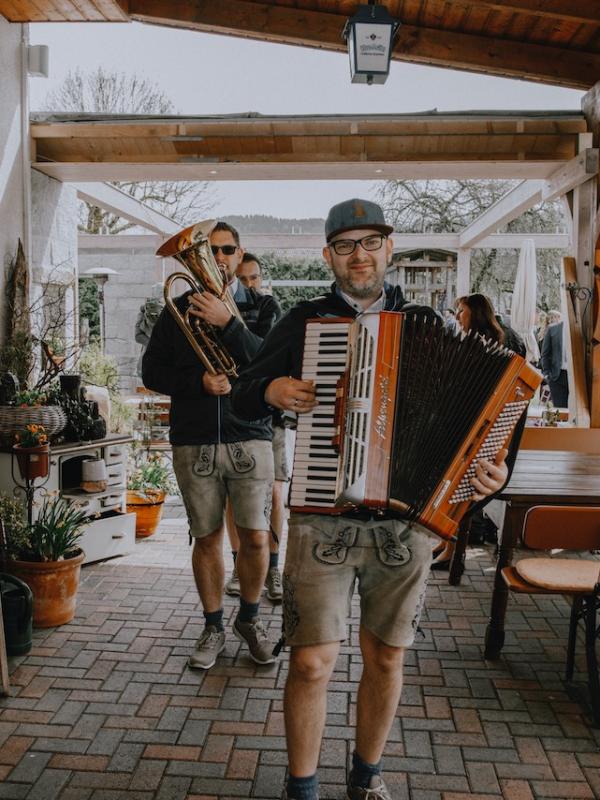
<point x="370" y="34"/>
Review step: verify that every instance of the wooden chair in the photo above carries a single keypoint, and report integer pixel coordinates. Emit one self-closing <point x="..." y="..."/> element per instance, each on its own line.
<point x="573" y="528"/>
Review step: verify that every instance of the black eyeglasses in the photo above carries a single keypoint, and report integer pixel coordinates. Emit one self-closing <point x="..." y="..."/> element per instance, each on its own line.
<point x="345" y="247"/>
<point x="226" y="249"/>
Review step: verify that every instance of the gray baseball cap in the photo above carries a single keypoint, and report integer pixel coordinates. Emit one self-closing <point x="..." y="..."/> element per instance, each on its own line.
<point x="351" y="214"/>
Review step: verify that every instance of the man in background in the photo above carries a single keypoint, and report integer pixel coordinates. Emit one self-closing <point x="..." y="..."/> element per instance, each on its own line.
<point x="554" y="360"/>
<point x="250" y="274"/>
<point x="146" y="320"/>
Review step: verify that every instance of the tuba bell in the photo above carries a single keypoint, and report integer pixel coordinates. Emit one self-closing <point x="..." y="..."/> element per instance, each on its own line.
<point x="191" y="247"/>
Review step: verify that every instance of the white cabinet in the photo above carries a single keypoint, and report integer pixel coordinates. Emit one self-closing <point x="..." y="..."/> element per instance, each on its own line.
<point x="110" y="531"/>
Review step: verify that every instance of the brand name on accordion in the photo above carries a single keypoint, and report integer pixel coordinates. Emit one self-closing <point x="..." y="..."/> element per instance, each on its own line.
<point x="381" y="421"/>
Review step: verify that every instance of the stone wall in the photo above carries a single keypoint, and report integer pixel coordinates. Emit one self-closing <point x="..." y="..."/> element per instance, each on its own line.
<point x="12" y="178"/>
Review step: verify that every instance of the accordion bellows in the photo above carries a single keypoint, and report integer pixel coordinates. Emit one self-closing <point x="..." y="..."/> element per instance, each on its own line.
<point x="406" y="409"/>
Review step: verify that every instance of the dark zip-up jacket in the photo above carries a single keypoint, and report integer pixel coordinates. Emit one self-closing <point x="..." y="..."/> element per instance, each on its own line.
<point x="171" y="367"/>
<point x="281" y="355"/>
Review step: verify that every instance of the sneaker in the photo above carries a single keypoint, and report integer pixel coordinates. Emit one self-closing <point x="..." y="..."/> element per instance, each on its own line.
<point x="273" y="584"/>
<point x="208" y="647"/>
<point x="232" y="587"/>
<point x="377" y="791"/>
<point x="255" y="636"/>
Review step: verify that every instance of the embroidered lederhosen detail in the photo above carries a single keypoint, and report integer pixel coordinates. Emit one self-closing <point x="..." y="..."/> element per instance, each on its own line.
<point x="390" y="550"/>
<point x="242" y="460"/>
<point x="267" y="512"/>
<point x="204" y="464"/>
<point x="335" y="552"/>
<point x="290" y="614"/>
<point x="418" y="611"/>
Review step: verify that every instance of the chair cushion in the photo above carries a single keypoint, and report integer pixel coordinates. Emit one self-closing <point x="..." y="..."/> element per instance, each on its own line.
<point x="560" y="574"/>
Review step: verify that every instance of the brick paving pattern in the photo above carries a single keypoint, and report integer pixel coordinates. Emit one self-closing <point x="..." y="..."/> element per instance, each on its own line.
<point x="104" y="708"/>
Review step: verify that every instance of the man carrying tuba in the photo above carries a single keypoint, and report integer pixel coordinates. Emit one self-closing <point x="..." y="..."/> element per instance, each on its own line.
<point x="216" y="454"/>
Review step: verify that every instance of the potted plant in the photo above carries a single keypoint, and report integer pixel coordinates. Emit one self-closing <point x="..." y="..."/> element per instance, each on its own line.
<point x="147" y="486"/>
<point x="31" y="406"/>
<point x="33" y="452"/>
<point x="46" y="556"/>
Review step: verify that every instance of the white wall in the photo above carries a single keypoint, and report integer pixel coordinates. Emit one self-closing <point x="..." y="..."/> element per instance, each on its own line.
<point x="54" y="243"/>
<point x="138" y="269"/>
<point x="12" y="178"/>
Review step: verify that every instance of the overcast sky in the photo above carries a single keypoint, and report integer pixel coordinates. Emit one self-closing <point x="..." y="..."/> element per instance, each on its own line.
<point x="205" y="74"/>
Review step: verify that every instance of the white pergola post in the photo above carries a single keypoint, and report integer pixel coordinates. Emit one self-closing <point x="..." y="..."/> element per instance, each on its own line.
<point x="584" y="213"/>
<point x="463" y="272"/>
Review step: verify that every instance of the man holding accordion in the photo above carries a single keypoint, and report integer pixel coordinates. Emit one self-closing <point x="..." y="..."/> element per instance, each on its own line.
<point x="388" y="557"/>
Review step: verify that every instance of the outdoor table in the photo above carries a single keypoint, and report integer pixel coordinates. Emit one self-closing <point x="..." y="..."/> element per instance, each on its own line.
<point x="540" y="477"/>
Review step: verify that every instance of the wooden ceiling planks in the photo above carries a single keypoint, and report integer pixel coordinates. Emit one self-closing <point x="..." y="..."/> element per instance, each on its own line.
<point x="64" y="10"/>
<point x="551" y="41"/>
<point x="516" y="39"/>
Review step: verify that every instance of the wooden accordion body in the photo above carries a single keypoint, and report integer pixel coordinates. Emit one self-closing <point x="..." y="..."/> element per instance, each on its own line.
<point x="406" y="409"/>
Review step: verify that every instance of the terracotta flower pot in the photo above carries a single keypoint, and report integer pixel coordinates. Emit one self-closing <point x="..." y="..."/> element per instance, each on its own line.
<point x="54" y="586"/>
<point x="148" y="511"/>
<point x="34" y="462"/>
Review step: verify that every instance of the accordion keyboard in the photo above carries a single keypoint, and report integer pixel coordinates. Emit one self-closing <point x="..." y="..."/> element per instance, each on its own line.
<point x="315" y="460"/>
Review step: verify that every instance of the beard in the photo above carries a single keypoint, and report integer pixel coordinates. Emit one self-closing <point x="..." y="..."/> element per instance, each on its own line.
<point x="361" y="290"/>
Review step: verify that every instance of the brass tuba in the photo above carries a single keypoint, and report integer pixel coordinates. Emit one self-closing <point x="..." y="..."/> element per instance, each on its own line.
<point x="191" y="247"/>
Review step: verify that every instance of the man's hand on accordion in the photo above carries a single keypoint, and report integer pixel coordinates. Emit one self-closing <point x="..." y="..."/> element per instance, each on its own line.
<point x="290" y="394"/>
<point x="490" y="476"/>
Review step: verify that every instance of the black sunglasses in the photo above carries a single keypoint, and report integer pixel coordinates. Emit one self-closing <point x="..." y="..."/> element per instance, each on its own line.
<point x="226" y="249"/>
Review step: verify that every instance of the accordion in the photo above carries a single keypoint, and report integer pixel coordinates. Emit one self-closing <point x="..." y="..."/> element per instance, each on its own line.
<point x="405" y="409"/>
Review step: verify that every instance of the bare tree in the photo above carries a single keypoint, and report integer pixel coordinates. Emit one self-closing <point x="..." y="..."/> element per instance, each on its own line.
<point x="449" y="206"/>
<point x="104" y="92"/>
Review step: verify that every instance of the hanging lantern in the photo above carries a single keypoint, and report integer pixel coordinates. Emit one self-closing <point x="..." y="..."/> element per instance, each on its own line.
<point x="370" y="35"/>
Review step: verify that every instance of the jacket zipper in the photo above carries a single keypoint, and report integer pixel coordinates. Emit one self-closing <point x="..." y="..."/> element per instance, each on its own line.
<point x="218" y="420"/>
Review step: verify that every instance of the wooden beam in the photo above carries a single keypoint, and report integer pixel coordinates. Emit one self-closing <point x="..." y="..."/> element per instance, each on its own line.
<point x="501" y="57"/>
<point x="590" y="106"/>
<point x="595" y="353"/>
<point x="579" y="407"/>
<point x="575" y="172"/>
<point x="64" y="11"/>
<point x="267" y="242"/>
<point x="578" y="170"/>
<point x="325" y="170"/>
<point x="124" y="205"/>
<point x="507" y="208"/>
<point x="580" y="11"/>
<point x="290" y="25"/>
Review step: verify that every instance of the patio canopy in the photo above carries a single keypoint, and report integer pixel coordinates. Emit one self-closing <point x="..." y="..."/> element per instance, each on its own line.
<point x="250" y="146"/>
<point x="551" y="41"/>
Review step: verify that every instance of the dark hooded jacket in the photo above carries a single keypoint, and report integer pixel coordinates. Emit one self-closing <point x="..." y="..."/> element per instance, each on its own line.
<point x="171" y="367"/>
<point x="281" y="355"/>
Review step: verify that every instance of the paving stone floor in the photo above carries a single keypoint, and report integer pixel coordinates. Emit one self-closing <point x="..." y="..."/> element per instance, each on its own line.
<point x="104" y="708"/>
